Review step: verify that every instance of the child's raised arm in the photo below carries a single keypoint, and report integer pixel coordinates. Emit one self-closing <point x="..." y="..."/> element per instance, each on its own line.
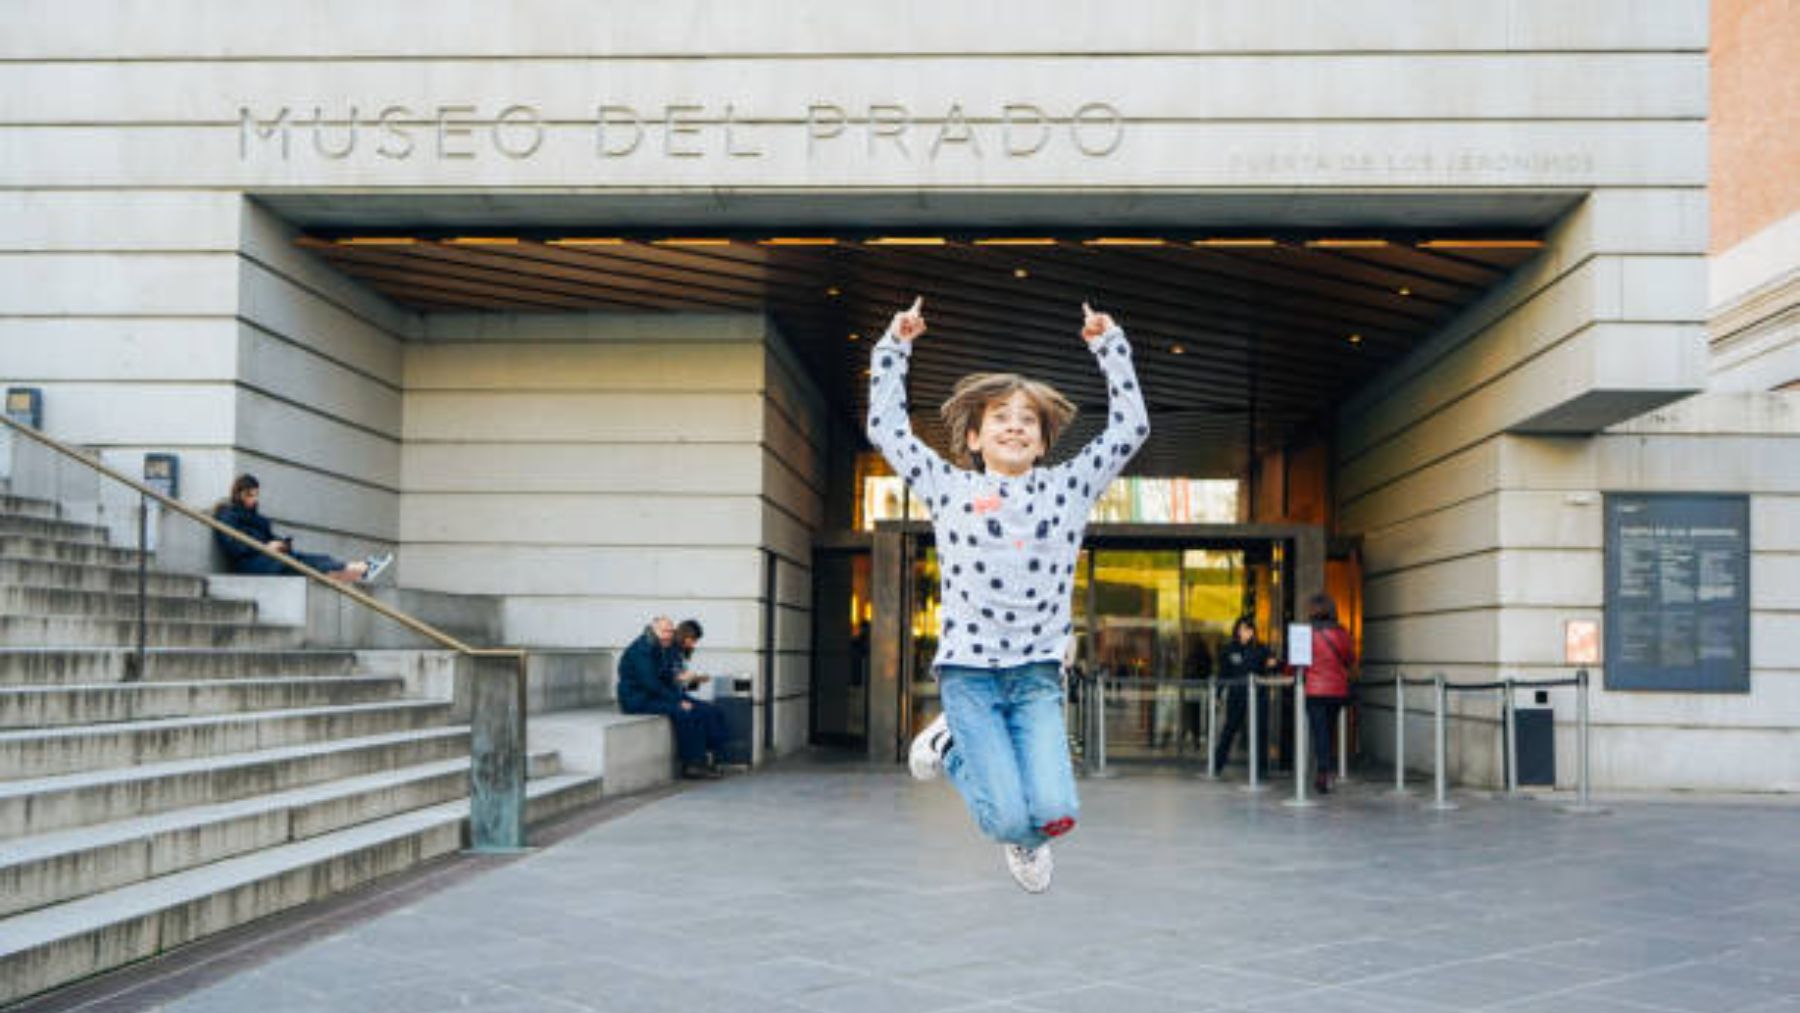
<point x="1127" y="418"/>
<point x="890" y="427"/>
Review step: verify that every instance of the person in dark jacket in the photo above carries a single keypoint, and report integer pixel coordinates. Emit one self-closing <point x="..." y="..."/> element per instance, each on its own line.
<point x="653" y="680"/>
<point x="241" y="512"/>
<point x="1327" y="683"/>
<point x="1242" y="656"/>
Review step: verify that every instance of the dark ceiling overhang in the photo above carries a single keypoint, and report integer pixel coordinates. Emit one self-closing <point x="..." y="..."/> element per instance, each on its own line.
<point x="1244" y="336"/>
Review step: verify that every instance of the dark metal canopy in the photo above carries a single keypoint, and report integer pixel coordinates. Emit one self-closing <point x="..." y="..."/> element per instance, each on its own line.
<point x="1239" y="337"/>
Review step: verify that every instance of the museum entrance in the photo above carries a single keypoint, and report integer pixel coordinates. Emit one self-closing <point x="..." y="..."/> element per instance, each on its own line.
<point x="1251" y="321"/>
<point x="1151" y="605"/>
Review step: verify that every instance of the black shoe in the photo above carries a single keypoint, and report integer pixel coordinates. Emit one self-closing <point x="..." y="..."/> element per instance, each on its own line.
<point x="1322" y="784"/>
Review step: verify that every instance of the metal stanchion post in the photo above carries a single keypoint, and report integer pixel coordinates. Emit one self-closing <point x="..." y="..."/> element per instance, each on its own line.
<point x="140" y="657"/>
<point x="1399" y="734"/>
<point x="1075" y="718"/>
<point x="1509" y="741"/>
<point x="1583" y="806"/>
<point x="1343" y="742"/>
<point x="1212" y="728"/>
<point x="1302" y="753"/>
<point x="1100" y="729"/>
<point x="1441" y="746"/>
<point x="1254" y="746"/>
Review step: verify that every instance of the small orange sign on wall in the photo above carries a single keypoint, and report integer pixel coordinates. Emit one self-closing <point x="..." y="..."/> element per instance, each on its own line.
<point x="1581" y="642"/>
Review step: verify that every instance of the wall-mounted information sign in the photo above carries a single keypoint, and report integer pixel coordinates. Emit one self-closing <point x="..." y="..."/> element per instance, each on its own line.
<point x="1678" y="592"/>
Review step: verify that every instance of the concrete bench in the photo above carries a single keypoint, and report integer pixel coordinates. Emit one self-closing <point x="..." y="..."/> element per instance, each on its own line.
<point x="631" y="752"/>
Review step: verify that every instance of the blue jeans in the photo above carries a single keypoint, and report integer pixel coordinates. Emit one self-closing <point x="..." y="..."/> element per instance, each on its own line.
<point x="263" y="566"/>
<point x="698" y="730"/>
<point x="1010" y="755"/>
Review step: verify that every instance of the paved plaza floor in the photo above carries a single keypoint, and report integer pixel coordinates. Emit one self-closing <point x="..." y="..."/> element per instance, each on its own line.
<point x="843" y="888"/>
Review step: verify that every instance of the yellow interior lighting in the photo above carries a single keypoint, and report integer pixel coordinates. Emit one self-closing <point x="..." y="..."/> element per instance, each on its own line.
<point x="1016" y="241"/>
<point x="1234" y="241"/>
<point x="1124" y="241"/>
<point x="691" y="241"/>
<point x="377" y="241"/>
<point x="589" y="241"/>
<point x="906" y="241"/>
<point x="481" y="241"/>
<point x="1347" y="244"/>
<point x="798" y="241"/>
<point x="1481" y="244"/>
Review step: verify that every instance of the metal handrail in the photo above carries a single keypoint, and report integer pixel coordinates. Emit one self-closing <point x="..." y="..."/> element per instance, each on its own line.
<point x="497" y="732"/>
<point x="418" y="626"/>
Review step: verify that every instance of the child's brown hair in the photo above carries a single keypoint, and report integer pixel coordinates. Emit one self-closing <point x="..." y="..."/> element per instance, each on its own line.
<point x="970" y="399"/>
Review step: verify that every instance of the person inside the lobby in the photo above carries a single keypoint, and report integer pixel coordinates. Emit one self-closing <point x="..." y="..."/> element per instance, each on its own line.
<point x="653" y="679"/>
<point x="1242" y="657"/>
<point x="242" y="511"/>
<point x="1327" y="684"/>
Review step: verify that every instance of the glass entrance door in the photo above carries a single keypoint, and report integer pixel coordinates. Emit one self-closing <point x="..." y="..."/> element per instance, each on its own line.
<point x="1154" y="620"/>
<point x="1148" y="615"/>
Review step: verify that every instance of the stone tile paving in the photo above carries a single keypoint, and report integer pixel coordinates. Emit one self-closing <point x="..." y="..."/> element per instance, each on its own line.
<point x="841" y="888"/>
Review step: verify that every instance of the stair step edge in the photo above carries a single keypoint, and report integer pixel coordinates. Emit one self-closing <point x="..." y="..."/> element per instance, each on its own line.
<point x="223" y="761"/>
<point x="45" y="926"/>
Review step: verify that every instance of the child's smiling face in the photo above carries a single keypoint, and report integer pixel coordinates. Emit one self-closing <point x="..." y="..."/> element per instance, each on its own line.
<point x="1011" y="438"/>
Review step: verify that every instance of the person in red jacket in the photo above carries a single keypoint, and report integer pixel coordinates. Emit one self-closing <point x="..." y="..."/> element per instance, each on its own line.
<point x="1327" y="682"/>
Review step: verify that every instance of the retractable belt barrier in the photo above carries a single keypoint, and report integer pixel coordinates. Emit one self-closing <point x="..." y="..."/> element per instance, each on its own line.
<point x="1093" y="692"/>
<point x="1508" y="731"/>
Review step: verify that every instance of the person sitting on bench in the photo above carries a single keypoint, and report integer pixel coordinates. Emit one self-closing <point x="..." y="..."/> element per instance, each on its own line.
<point x="653" y="680"/>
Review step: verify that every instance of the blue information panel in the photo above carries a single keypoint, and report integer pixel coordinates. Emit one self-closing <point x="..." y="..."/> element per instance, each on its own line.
<point x="1678" y="592"/>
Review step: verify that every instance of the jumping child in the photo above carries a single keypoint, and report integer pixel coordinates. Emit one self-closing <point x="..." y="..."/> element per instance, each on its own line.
<point x="1008" y="534"/>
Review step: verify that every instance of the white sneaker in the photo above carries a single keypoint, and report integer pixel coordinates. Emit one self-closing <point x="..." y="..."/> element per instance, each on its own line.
<point x="1030" y="868"/>
<point x="376" y="565"/>
<point x="928" y="748"/>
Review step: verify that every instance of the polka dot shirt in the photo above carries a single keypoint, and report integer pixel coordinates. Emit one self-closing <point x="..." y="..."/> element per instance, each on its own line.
<point x="1007" y="547"/>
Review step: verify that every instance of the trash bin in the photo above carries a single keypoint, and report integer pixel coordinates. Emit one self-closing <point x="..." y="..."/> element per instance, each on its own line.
<point x="1535" y="732"/>
<point x="732" y="695"/>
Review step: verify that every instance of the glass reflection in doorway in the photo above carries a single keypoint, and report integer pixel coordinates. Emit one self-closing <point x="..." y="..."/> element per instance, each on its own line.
<point x="1158" y="619"/>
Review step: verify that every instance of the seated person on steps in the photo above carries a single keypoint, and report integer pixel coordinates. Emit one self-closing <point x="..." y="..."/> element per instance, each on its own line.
<point x="653" y="680"/>
<point x="241" y="512"/>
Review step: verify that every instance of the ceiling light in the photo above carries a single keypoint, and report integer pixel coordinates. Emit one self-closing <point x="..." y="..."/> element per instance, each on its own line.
<point x="1123" y="241"/>
<point x="376" y="241"/>
<point x="1019" y="272"/>
<point x="1346" y="244"/>
<point x="585" y="241"/>
<point x="1231" y="241"/>
<point x="1177" y="350"/>
<point x="1404" y="291"/>
<point x="855" y="337"/>
<point x="799" y="241"/>
<point x="481" y="241"/>
<point x="1356" y="339"/>
<point x="834" y="291"/>
<point x="905" y="241"/>
<point x="1481" y="244"/>
<point x="691" y="241"/>
<point x="1015" y="241"/>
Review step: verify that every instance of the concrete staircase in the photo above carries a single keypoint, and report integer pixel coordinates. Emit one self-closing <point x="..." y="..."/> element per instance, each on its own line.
<point x="241" y="776"/>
